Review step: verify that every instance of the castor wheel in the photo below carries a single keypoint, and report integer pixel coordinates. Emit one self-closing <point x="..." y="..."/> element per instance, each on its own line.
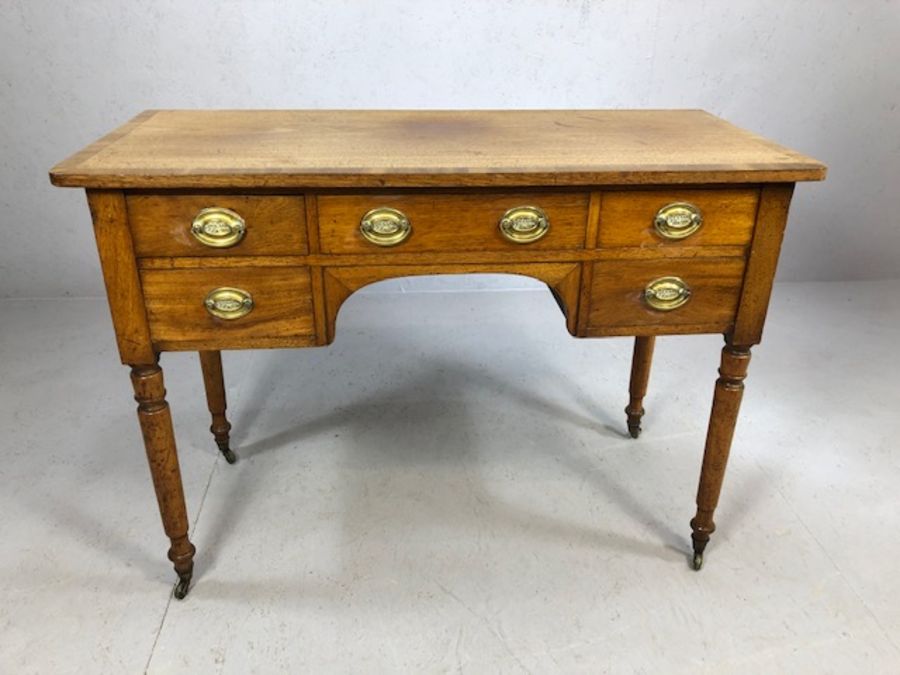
<point x="698" y="561"/>
<point x="229" y="455"/>
<point x="634" y="421"/>
<point x="182" y="588"/>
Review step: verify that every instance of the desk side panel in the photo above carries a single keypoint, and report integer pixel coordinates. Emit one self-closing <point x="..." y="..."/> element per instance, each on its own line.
<point x="768" y="234"/>
<point x="120" y="274"/>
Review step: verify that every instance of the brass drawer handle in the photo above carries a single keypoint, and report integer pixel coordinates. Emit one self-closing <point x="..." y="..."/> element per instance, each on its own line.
<point x="678" y="220"/>
<point x="218" y="227"/>
<point x="524" y="224"/>
<point x="385" y="226"/>
<point x="667" y="293"/>
<point x="228" y="303"/>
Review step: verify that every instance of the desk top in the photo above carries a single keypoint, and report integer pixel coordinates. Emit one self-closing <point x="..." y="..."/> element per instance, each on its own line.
<point x="366" y="148"/>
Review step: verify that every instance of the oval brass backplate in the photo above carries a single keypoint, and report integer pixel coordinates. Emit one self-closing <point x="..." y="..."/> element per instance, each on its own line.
<point x="667" y="293"/>
<point x="228" y="303"/>
<point x="524" y="224"/>
<point x="218" y="227"/>
<point x="385" y="226"/>
<point x="678" y="220"/>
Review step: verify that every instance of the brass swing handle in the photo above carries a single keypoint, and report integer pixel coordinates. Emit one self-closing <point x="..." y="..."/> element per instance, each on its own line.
<point x="678" y="220"/>
<point x="524" y="224"/>
<point x="667" y="293"/>
<point x="218" y="227"/>
<point x="385" y="226"/>
<point x="228" y="303"/>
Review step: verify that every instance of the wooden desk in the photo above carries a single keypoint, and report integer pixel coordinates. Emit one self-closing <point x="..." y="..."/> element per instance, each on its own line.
<point x="248" y="229"/>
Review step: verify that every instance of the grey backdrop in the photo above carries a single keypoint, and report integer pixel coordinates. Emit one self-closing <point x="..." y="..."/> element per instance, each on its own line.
<point x="820" y="76"/>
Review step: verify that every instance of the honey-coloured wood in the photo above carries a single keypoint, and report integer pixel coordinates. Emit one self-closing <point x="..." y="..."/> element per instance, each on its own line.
<point x="207" y="149"/>
<point x="120" y="274"/>
<point x="722" y="420"/>
<point x="445" y="222"/>
<point x="161" y="224"/>
<point x="617" y="294"/>
<point x="637" y="388"/>
<point x="627" y="217"/>
<point x="282" y="308"/>
<point x="762" y="263"/>
<point x="302" y="180"/>
<point x="214" y="384"/>
<point x="159" y="442"/>
<point x="399" y="257"/>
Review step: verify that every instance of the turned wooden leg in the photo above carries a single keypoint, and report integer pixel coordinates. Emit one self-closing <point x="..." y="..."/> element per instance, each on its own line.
<point x="211" y="364"/>
<point x="726" y="403"/>
<point x="159" y="441"/>
<point x="640" y="375"/>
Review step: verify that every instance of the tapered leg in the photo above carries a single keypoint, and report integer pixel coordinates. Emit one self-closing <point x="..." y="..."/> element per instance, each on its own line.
<point x="726" y="403"/>
<point x="640" y="375"/>
<point x="159" y="441"/>
<point x="211" y="364"/>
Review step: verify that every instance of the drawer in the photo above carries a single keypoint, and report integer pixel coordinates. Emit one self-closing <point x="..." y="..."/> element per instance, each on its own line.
<point x="617" y="295"/>
<point x="281" y="313"/>
<point x="628" y="217"/>
<point x="161" y="225"/>
<point x="452" y="222"/>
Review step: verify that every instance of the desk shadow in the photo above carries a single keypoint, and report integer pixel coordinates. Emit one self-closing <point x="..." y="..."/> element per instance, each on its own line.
<point x="453" y="379"/>
<point x="390" y="419"/>
<point x="100" y="538"/>
<point x="341" y="389"/>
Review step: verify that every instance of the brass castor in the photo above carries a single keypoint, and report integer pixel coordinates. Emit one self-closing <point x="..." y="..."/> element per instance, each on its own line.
<point x="634" y="421"/>
<point x="182" y="588"/>
<point x="698" y="561"/>
<point x="228" y="454"/>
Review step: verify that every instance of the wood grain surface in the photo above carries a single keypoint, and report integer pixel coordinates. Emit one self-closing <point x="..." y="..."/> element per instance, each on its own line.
<point x="452" y="222"/>
<point x="641" y="360"/>
<point x="774" y="203"/>
<point x="120" y="274"/>
<point x="618" y="287"/>
<point x="281" y="298"/>
<point x="216" y="401"/>
<point x="627" y="216"/>
<point x="162" y="455"/>
<point x="161" y="224"/>
<point x="366" y="148"/>
<point x="303" y="179"/>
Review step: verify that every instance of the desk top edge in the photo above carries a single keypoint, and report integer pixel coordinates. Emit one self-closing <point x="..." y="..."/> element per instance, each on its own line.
<point x="170" y="149"/>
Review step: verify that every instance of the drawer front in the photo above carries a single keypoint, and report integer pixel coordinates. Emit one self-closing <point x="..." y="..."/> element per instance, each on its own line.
<point x="162" y="225"/>
<point x="618" y="293"/>
<point x="282" y="310"/>
<point x="628" y="217"/>
<point x="452" y="222"/>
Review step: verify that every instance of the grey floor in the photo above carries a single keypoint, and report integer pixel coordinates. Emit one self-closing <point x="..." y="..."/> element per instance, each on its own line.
<point x="448" y="488"/>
